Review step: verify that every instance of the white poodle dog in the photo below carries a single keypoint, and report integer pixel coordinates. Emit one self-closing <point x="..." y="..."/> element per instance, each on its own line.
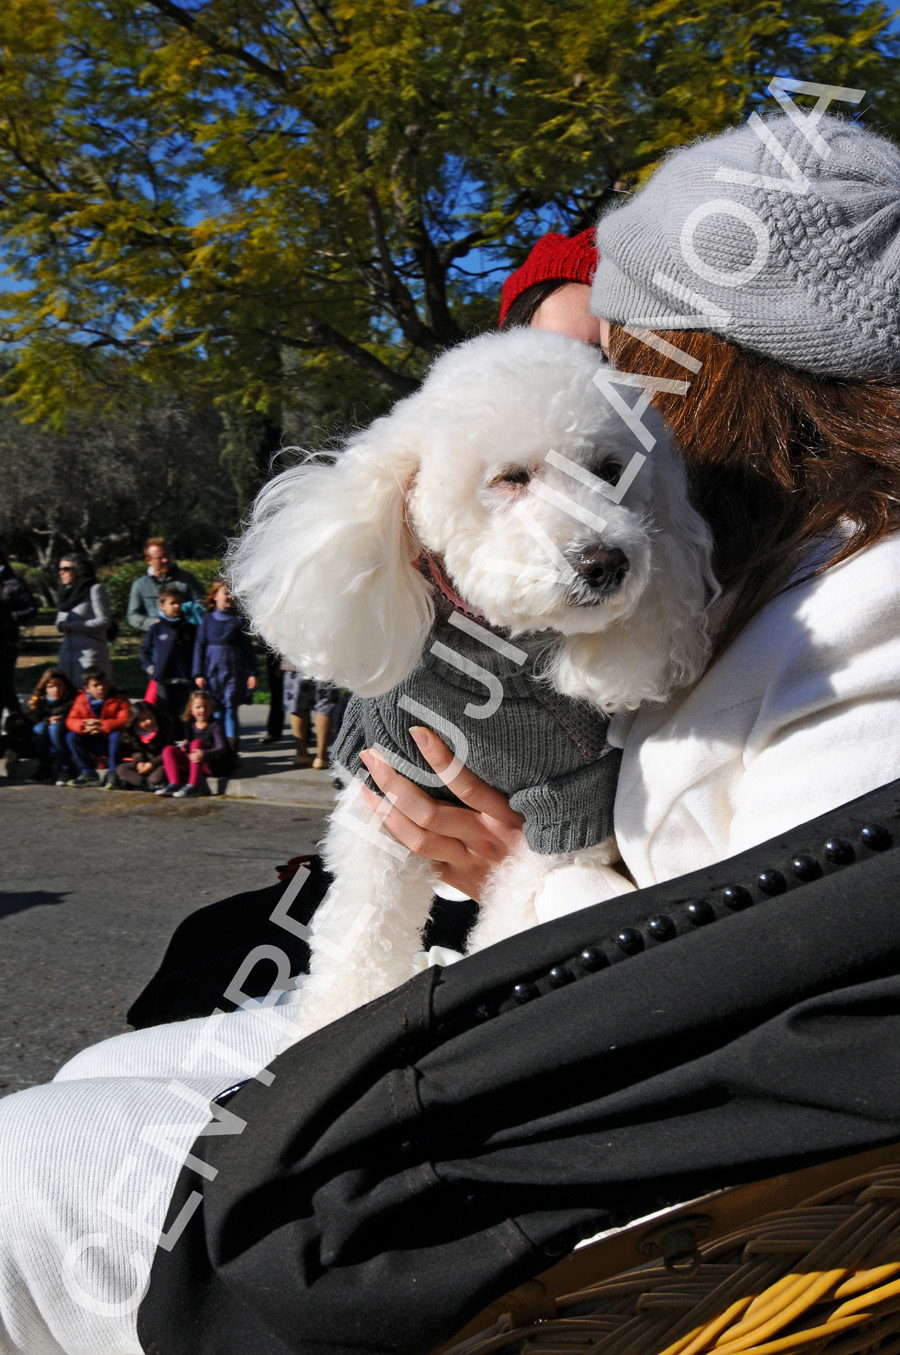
<point x="498" y="560"/>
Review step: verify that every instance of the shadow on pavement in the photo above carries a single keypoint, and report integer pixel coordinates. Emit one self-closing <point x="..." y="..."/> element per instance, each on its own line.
<point x="17" y="901"/>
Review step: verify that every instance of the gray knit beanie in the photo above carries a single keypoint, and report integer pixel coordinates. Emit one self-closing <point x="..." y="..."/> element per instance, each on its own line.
<point x="758" y="236"/>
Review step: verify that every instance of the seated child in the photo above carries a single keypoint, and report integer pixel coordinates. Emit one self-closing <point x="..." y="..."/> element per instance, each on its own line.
<point x="98" y="715"/>
<point x="205" y="751"/>
<point x="167" y="654"/>
<point x="48" y="706"/>
<point x="141" y="746"/>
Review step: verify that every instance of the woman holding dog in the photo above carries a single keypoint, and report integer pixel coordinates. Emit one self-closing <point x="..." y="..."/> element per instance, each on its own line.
<point x="787" y="410"/>
<point x="789" y="419"/>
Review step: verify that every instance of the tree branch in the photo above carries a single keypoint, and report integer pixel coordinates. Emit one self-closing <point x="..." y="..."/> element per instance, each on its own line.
<point x="328" y="337"/>
<point x="396" y="292"/>
<point x="188" y="21"/>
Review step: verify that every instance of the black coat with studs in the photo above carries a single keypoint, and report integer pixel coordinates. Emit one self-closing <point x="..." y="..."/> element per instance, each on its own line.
<point x="428" y="1152"/>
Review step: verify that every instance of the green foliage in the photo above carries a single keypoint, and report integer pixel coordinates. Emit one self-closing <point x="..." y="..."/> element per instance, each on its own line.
<point x="43" y="586"/>
<point x="205" y="571"/>
<point x="118" y="585"/>
<point x="286" y="209"/>
<point x="231" y="228"/>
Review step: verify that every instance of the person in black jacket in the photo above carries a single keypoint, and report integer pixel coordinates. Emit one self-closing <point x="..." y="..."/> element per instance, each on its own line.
<point x="167" y="654"/>
<point x="17" y="608"/>
<point x="140" y="764"/>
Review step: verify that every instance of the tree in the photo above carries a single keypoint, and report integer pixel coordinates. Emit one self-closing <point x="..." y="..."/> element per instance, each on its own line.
<point x="289" y="206"/>
<point x="109" y="483"/>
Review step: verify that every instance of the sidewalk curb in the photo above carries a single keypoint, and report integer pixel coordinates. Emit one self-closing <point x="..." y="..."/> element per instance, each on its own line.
<point x="314" y="790"/>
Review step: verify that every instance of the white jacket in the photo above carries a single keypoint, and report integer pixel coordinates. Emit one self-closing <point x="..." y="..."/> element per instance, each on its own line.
<point x="800" y="714"/>
<point x="84" y="629"/>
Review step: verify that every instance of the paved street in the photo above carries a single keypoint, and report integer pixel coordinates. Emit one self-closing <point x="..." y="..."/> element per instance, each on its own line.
<point x="92" y="884"/>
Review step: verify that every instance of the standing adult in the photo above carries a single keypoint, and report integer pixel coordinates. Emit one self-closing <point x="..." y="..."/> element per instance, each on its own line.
<point x="275" y="722"/>
<point x="143" y="599"/>
<point x="17" y="607"/>
<point x="84" y="618"/>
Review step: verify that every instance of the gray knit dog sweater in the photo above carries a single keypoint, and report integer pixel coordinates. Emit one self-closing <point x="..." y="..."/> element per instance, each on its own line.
<point x="548" y="752"/>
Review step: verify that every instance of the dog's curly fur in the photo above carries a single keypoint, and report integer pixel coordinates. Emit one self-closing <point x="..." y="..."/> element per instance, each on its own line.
<point x="502" y="465"/>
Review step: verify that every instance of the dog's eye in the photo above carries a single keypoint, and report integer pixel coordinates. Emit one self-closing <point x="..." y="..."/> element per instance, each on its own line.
<point x="611" y="472"/>
<point x="513" y="475"/>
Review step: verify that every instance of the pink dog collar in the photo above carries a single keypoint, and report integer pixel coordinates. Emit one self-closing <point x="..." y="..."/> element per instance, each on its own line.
<point x="434" y="568"/>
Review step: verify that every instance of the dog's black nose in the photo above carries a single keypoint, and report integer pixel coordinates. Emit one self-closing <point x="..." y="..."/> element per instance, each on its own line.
<point x="603" y="567"/>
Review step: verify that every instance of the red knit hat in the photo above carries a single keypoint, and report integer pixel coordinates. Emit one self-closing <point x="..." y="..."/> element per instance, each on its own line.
<point x="554" y="256"/>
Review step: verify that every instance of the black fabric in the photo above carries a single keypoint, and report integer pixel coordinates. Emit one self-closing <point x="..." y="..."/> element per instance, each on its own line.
<point x="78" y="589"/>
<point x="422" y="1155"/>
<point x="17" y="607"/>
<point x="275" y="722"/>
<point x="209" y="947"/>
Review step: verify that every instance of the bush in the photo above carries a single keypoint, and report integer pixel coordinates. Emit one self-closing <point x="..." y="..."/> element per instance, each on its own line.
<point x="118" y="584"/>
<point x="42" y="584"/>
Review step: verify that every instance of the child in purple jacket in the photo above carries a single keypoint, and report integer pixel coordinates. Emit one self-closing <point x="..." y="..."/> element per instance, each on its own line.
<point x="205" y="751"/>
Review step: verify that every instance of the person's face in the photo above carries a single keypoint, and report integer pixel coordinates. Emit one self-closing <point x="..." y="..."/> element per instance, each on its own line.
<point x="148" y="724"/>
<point x="96" y="688"/>
<point x="171" y="607"/>
<point x="567" y="311"/>
<point x="223" y="598"/>
<point x="157" y="558"/>
<point x="66" y="571"/>
<point x="53" y="691"/>
<point x="198" y="710"/>
<point x="604" y="335"/>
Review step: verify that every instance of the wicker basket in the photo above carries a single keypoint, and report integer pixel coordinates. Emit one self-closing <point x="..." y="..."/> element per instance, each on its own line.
<point x="821" y="1275"/>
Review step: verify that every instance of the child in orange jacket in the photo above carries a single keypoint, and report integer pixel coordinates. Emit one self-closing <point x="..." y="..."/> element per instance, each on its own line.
<point x="99" y="714"/>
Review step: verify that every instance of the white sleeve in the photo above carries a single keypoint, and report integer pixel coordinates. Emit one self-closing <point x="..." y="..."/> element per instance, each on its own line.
<point x="799" y="715"/>
<point x="828" y="729"/>
<point x="100" y="614"/>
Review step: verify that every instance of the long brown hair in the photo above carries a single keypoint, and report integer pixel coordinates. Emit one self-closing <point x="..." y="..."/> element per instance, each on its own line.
<point x="776" y="459"/>
<point x="51" y="675"/>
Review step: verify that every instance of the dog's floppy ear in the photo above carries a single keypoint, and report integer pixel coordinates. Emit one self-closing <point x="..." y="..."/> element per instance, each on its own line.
<point x="325" y="568"/>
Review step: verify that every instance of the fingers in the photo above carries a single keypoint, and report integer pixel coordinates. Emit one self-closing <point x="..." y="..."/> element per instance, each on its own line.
<point x="416" y="815"/>
<point x="468" y="787"/>
<point x="421" y="840"/>
<point x="444" y="832"/>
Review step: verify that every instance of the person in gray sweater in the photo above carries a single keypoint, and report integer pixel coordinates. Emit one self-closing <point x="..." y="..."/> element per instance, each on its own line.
<point x="143" y="599"/>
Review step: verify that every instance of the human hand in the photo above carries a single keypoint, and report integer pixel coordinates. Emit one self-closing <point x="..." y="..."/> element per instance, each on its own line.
<point x="201" y="682"/>
<point x="92" y="726"/>
<point x="464" y="843"/>
<point x="196" y="755"/>
<point x="142" y="768"/>
<point x="55" y="719"/>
